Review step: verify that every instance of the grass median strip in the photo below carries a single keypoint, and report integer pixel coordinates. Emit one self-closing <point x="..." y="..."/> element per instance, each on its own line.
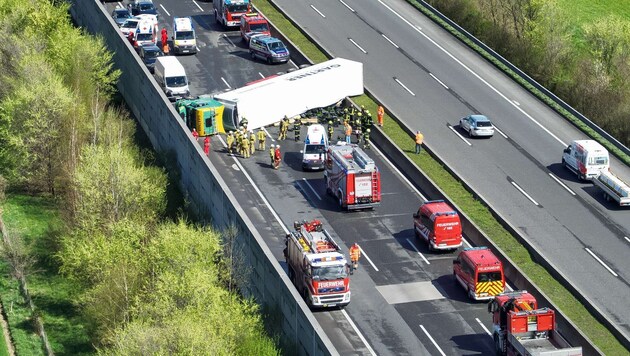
<point x="479" y="213"/>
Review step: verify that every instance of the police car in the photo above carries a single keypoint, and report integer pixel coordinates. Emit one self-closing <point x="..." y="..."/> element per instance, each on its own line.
<point x="268" y="48"/>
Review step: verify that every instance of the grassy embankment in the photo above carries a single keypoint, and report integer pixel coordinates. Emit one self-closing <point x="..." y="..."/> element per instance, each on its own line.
<point x="472" y="207"/>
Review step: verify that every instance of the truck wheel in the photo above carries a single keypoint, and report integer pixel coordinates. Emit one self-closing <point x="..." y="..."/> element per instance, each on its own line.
<point x="497" y="345"/>
<point x="340" y="200"/>
<point x="216" y="17"/>
<point x="471" y="294"/>
<point x="328" y="191"/>
<point x="564" y="163"/>
<point x="251" y="53"/>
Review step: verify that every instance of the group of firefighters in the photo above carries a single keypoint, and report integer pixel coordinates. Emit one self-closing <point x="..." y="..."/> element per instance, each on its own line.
<point x="357" y="122"/>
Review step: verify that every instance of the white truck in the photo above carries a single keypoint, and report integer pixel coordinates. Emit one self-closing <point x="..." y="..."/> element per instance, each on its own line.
<point x="613" y="187"/>
<point x="317" y="267"/>
<point x="315" y="146"/>
<point x="171" y="77"/>
<point x="586" y="158"/>
<point x="184" y="37"/>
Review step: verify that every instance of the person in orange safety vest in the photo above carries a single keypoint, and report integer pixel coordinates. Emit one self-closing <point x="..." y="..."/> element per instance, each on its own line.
<point x="348" y="132"/>
<point x="379" y="115"/>
<point x="355" y="254"/>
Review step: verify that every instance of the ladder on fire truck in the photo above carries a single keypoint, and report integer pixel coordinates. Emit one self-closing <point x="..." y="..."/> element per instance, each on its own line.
<point x="314" y="238"/>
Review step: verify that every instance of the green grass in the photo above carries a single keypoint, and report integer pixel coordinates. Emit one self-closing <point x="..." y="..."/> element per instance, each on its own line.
<point x="479" y="213"/>
<point x="36" y="219"/>
<point x="580" y="12"/>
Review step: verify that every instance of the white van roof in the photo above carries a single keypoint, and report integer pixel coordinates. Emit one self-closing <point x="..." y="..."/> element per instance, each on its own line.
<point x="172" y="67"/>
<point x="590" y="146"/>
<point x="183" y="24"/>
<point x="316" y="134"/>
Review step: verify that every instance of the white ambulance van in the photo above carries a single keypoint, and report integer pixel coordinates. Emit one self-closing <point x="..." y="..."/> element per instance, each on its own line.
<point x="171" y="77"/>
<point x="315" y="146"/>
<point x="586" y="158"/>
<point x="184" y="37"/>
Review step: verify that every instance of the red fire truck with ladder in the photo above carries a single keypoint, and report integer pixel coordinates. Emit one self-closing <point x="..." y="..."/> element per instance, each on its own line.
<point x="521" y="328"/>
<point x="352" y="177"/>
<point x="317" y="267"/>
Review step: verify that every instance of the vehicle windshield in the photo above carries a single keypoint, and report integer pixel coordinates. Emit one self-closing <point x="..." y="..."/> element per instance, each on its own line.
<point x="259" y="27"/>
<point x="237" y="8"/>
<point x="184" y="35"/>
<point x="151" y="53"/>
<point x="488" y="277"/>
<point x="130" y="24"/>
<point x="123" y="14"/>
<point x="329" y="273"/>
<point x="145" y="7"/>
<point x="312" y="149"/>
<point x="598" y="160"/>
<point x="484" y="124"/>
<point x="175" y="82"/>
<point x="144" y="37"/>
<point x="276" y="45"/>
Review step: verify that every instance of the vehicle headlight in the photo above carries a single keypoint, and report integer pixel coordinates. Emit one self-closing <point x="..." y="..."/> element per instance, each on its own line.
<point x="315" y="299"/>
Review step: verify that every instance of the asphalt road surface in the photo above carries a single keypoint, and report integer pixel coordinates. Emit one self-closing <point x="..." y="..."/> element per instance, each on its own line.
<point x="429" y="80"/>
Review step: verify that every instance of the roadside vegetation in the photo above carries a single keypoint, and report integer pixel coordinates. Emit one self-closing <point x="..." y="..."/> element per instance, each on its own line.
<point x="479" y="213"/>
<point x="88" y="235"/>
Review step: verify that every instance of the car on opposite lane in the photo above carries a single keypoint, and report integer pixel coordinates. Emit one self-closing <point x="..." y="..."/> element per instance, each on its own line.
<point x="121" y="15"/>
<point x="477" y="126"/>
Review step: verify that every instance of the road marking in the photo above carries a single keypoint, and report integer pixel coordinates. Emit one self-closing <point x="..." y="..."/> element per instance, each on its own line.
<point x="197" y="5"/>
<point x="421" y="255"/>
<point x="229" y="40"/>
<point x="458" y="134"/>
<point x="260" y="194"/>
<point x="163" y="8"/>
<point x="419" y="30"/>
<point x="226" y="83"/>
<point x="312" y="189"/>
<point x="562" y="184"/>
<point x="524" y="193"/>
<point x="293" y="63"/>
<point x="390" y="41"/>
<point x="437" y="80"/>
<point x="198" y="49"/>
<point x="356" y="44"/>
<point x="516" y="103"/>
<point x="319" y="12"/>
<point x="500" y="132"/>
<point x="600" y="261"/>
<point x="627" y="239"/>
<point x="433" y="341"/>
<point x="405" y="87"/>
<point x="121" y="5"/>
<point x="368" y="258"/>
<point x="261" y="75"/>
<point x="268" y="134"/>
<point x="402" y="176"/>
<point x="356" y="330"/>
<point x="483" y="326"/>
<point x="346" y="5"/>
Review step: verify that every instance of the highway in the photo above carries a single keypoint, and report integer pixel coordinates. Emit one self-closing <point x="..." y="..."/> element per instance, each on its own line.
<point x="429" y="80"/>
<point x="436" y="318"/>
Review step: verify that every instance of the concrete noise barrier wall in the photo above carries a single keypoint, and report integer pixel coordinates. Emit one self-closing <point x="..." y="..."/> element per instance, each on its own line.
<point x="208" y="194"/>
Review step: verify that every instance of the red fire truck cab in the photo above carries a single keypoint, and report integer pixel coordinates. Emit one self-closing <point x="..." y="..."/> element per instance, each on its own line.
<point x="480" y="272"/>
<point x="253" y="24"/>
<point x="438" y="224"/>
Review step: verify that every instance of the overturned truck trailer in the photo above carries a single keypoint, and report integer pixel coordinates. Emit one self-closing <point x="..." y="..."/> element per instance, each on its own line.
<point x="268" y="101"/>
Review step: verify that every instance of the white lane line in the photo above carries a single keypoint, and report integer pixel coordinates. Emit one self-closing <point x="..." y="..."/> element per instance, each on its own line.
<point x="269" y="135"/>
<point x="356" y="44"/>
<point x="516" y="103"/>
<point x="500" y="132"/>
<point x="439" y="81"/>
<point x="319" y="12"/>
<point x="356" y="330"/>
<point x="262" y="197"/>
<point x="433" y="341"/>
<point x="390" y="41"/>
<point x="198" y="49"/>
<point x="419" y="30"/>
<point x="163" y="8"/>
<point x="197" y="5"/>
<point x="483" y="326"/>
<point x="226" y="83"/>
<point x="120" y="5"/>
<point x="524" y="193"/>
<point x="312" y="189"/>
<point x="229" y="40"/>
<point x="367" y="258"/>
<point x="421" y="255"/>
<point x="458" y="134"/>
<point x="600" y="261"/>
<point x="261" y="75"/>
<point x="627" y="238"/>
<point x="562" y="184"/>
<point x="346" y="5"/>
<point x="404" y="86"/>
<point x="293" y="63"/>
<point x="402" y="176"/>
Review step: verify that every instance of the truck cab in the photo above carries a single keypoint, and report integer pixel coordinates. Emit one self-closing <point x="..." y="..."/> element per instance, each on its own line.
<point x="269" y="49"/>
<point x="228" y="12"/>
<point x="253" y="24"/>
<point x="184" y="37"/>
<point x="586" y="158"/>
<point x="315" y="146"/>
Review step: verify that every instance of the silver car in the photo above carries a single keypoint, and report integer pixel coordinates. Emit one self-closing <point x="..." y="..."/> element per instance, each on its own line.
<point x="477" y="126"/>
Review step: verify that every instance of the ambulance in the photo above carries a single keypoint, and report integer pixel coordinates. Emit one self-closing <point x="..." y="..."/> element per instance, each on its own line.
<point x="480" y="272"/>
<point x="586" y="158"/>
<point x="438" y="224"/>
<point x="315" y="146"/>
<point x="184" y="38"/>
<point x="146" y="33"/>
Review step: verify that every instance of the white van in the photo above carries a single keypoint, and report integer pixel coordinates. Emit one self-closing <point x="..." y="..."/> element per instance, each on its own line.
<point x="184" y="38"/>
<point x="315" y="146"/>
<point x="171" y="76"/>
<point x="587" y="158"/>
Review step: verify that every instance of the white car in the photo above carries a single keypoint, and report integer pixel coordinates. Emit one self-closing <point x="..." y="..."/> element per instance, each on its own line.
<point x="477" y="126"/>
<point x="129" y="26"/>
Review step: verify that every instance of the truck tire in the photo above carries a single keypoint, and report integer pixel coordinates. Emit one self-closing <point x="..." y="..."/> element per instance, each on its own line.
<point x="216" y="17"/>
<point x="328" y="190"/>
<point x="497" y="345"/>
<point x="564" y="163"/>
<point x="251" y="53"/>
<point x="340" y="200"/>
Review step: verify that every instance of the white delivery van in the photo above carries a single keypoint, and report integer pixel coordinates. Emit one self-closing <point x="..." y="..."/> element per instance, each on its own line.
<point x="587" y="158"/>
<point x="171" y="76"/>
<point x="315" y="146"/>
<point x="184" y="38"/>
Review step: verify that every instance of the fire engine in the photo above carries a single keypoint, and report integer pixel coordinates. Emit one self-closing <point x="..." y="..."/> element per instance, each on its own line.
<point x="480" y="272"/>
<point x="229" y="12"/>
<point x="253" y="24"/>
<point x="317" y="267"/>
<point x="352" y="177"/>
<point x="521" y="328"/>
<point x="439" y="225"/>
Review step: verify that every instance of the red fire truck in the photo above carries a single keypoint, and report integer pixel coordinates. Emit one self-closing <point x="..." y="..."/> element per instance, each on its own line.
<point x="480" y="272"/>
<point x="439" y="225"/>
<point x="229" y="12"/>
<point x="352" y="177"/>
<point x="521" y="328"/>
<point x="253" y="24"/>
<point x="317" y="267"/>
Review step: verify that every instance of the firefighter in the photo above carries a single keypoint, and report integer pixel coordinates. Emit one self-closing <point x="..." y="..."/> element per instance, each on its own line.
<point x="230" y="142"/>
<point x="348" y="132"/>
<point x="331" y="130"/>
<point x="297" y="127"/>
<point x="277" y="156"/>
<point x="368" y="119"/>
<point x="206" y="145"/>
<point x="272" y="151"/>
<point x="366" y="139"/>
<point x="355" y="254"/>
<point x="195" y="134"/>
<point x="346" y="116"/>
<point x="245" y="146"/>
<point x="261" y="139"/>
<point x="244" y="122"/>
<point x="284" y="127"/>
<point x="379" y="115"/>
<point x="252" y="143"/>
<point x="358" y="121"/>
<point x="164" y="39"/>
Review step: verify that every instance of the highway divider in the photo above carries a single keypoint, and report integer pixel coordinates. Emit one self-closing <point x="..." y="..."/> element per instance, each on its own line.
<point x="209" y="196"/>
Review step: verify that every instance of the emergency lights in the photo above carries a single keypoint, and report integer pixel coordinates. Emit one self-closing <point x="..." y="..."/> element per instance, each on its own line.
<point x="328" y="259"/>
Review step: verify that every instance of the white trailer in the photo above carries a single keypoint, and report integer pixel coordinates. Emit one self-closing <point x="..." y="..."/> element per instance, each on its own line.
<point x="613" y="187"/>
